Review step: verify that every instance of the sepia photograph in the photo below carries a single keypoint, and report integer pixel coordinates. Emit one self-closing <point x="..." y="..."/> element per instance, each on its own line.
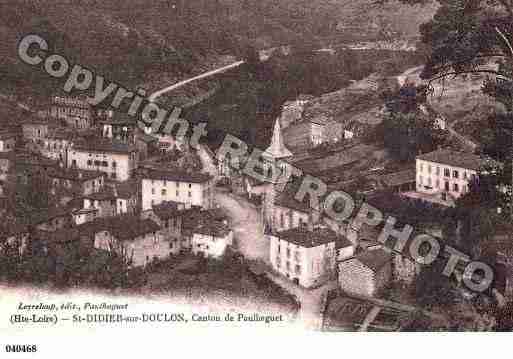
<point x="328" y="168"/>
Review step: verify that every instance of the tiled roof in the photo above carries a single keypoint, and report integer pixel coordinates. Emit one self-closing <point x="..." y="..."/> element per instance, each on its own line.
<point x="212" y="228"/>
<point x="177" y="175"/>
<point x="374" y="259"/>
<point x="103" y="145"/>
<point x="303" y="237"/>
<point x="453" y="158"/>
<point x="286" y="200"/>
<point x="195" y="217"/>
<point x="42" y="216"/>
<point x="167" y="210"/>
<point x="127" y="189"/>
<point x="121" y="227"/>
<point x="73" y="174"/>
<point x="105" y="194"/>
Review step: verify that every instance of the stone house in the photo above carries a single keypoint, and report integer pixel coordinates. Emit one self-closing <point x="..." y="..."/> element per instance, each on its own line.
<point x="116" y="159"/>
<point x="211" y="239"/>
<point x="366" y="273"/>
<point x="168" y="215"/>
<point x="135" y="239"/>
<point x="75" y="112"/>
<point x="192" y="188"/>
<point x="306" y="256"/>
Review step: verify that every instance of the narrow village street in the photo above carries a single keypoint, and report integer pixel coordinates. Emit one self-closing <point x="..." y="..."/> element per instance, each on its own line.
<point x="252" y="244"/>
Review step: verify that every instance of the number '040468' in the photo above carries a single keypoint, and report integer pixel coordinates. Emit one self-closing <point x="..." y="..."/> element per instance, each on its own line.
<point x="17" y="348"/>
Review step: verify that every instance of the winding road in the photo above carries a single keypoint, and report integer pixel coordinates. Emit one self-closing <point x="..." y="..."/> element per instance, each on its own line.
<point x="204" y="75"/>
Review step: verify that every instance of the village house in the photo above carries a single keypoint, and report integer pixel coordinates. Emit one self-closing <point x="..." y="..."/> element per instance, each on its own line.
<point x="7" y="142"/>
<point x="111" y="200"/>
<point x="312" y="132"/>
<point x="136" y="240"/>
<point x="292" y="111"/>
<point x="119" y="126"/>
<point x="366" y="273"/>
<point x="57" y="143"/>
<point x="74" y="182"/>
<point x="50" y="219"/>
<point x="194" y="220"/>
<point x="168" y="215"/>
<point x="14" y="236"/>
<point x="127" y="196"/>
<point x="287" y="213"/>
<point x="77" y="113"/>
<point x="194" y="189"/>
<point x="116" y="159"/>
<point x="444" y="175"/>
<point x="307" y="256"/>
<point x="35" y="129"/>
<point x="211" y="239"/>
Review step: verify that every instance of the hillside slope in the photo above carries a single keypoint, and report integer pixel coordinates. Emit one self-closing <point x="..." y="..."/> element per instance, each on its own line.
<point x="151" y="43"/>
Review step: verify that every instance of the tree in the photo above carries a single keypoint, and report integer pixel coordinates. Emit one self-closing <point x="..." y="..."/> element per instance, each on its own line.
<point x="472" y="36"/>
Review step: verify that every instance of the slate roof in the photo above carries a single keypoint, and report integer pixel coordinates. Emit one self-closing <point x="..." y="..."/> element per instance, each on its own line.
<point x="374" y="259"/>
<point x="303" y="237"/>
<point x="453" y="158"/>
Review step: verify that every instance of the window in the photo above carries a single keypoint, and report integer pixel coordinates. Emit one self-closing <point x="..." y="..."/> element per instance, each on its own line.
<point x="455" y="187"/>
<point x="429" y="181"/>
<point x="288" y="252"/>
<point x="177" y="193"/>
<point x="421" y="180"/>
<point x="447" y="172"/>
<point x="153" y="191"/>
<point x="429" y="169"/>
<point x="74" y="163"/>
<point x="164" y="192"/>
<point x="465" y="175"/>
<point x="96" y="163"/>
<point x="114" y="164"/>
<point x="437" y="183"/>
<point x="190" y="194"/>
<point x="421" y="167"/>
<point x="105" y="164"/>
<point x="455" y="174"/>
<point x="447" y="185"/>
<point x="113" y="175"/>
<point x="298" y="269"/>
<point x="190" y="185"/>
<point x="444" y="196"/>
<point x="297" y="256"/>
<point x="89" y="162"/>
<point x="279" y="248"/>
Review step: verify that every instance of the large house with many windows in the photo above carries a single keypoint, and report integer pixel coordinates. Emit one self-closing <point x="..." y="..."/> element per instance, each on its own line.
<point x="192" y="189"/>
<point x="116" y="159"/>
<point x="444" y="175"/>
<point x="307" y="256"/>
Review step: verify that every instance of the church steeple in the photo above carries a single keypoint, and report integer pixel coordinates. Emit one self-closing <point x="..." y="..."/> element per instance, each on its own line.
<point x="277" y="148"/>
